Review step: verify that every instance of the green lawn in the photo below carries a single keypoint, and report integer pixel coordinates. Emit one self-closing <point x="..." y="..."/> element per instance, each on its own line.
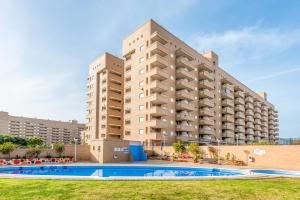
<point x="269" y="189"/>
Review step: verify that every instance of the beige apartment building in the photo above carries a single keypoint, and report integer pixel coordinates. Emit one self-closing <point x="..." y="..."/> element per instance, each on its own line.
<point x="105" y="99"/>
<point x="49" y="131"/>
<point x="171" y="92"/>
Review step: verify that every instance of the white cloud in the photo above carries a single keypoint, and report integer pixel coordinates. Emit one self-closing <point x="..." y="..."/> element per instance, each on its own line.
<point x="249" y="43"/>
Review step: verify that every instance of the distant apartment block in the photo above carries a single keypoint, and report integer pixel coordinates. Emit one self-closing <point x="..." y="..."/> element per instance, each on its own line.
<point x="165" y="91"/>
<point x="49" y="131"/>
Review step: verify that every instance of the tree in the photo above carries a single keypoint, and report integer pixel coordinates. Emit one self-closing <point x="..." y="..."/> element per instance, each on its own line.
<point x="213" y="152"/>
<point x="34" y="141"/>
<point x="59" y="148"/>
<point x="194" y="149"/>
<point x="7" y="148"/>
<point x="34" y="151"/>
<point x="178" y="147"/>
<point x="20" y="141"/>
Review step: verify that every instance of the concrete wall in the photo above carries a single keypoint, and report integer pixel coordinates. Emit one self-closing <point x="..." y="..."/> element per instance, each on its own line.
<point x="83" y="152"/>
<point x="107" y="151"/>
<point x="272" y="157"/>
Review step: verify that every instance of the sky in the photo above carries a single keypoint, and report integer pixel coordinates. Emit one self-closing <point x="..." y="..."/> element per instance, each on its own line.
<point x="46" y="47"/>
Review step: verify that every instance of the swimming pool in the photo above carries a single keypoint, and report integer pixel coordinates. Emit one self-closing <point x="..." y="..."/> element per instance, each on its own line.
<point x="120" y="171"/>
<point x="277" y="172"/>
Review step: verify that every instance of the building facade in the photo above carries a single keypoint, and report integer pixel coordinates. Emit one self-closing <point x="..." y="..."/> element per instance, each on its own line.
<point x="105" y="99"/>
<point x="49" y="131"/>
<point x="171" y="92"/>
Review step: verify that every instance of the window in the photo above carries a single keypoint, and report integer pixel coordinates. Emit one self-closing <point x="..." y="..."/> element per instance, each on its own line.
<point x="142" y="48"/>
<point x="141" y="95"/>
<point x="141" y="131"/>
<point x="141" y="119"/>
<point x="142" y="71"/>
<point x="141" y="83"/>
<point x="142" y="59"/>
<point x="141" y="107"/>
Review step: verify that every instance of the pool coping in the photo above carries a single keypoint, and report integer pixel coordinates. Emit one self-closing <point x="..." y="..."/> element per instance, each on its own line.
<point x="248" y="174"/>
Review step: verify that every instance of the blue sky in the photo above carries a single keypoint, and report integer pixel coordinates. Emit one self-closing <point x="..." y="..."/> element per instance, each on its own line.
<point x="46" y="46"/>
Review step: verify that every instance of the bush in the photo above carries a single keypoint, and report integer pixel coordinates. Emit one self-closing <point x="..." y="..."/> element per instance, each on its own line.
<point x="195" y="150"/>
<point x="7" y="148"/>
<point x="34" y="141"/>
<point x="179" y="148"/>
<point x="34" y="151"/>
<point x="59" y="148"/>
<point x="213" y="152"/>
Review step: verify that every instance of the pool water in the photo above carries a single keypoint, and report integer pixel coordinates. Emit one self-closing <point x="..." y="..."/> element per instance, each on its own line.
<point x="276" y="172"/>
<point x="115" y="171"/>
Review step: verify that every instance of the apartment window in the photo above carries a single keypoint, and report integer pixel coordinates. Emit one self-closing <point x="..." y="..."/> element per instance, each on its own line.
<point x="142" y="48"/>
<point x="141" y="107"/>
<point x="141" y="95"/>
<point x="141" y="131"/>
<point x="141" y="83"/>
<point x="142" y="59"/>
<point x="142" y="71"/>
<point x="141" y="119"/>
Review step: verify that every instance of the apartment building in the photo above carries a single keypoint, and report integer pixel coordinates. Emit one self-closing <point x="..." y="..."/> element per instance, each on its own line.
<point x="105" y="99"/>
<point x="172" y="92"/>
<point x="49" y="131"/>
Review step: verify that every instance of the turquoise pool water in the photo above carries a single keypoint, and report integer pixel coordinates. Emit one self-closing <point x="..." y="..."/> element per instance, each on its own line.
<point x="120" y="171"/>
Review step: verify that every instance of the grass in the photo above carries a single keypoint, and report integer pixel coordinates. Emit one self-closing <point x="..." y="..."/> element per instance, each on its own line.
<point x="271" y="189"/>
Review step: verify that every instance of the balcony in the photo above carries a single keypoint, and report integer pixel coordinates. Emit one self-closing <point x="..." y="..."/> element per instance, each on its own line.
<point x="114" y="122"/>
<point x="206" y="102"/>
<point x="240" y="129"/>
<point x="239" y="101"/>
<point x="257" y="110"/>
<point x="271" y="127"/>
<point x="206" y="122"/>
<point x="205" y="112"/>
<point x="158" y="61"/>
<point x="257" y="121"/>
<point x="159" y="49"/>
<point x="240" y="136"/>
<point x="115" y="96"/>
<point x="184" y="73"/>
<point x="114" y="113"/>
<point x="184" y="117"/>
<point x="158" y="111"/>
<point x="264" y="108"/>
<point x="158" y="74"/>
<point x="184" y="53"/>
<point x="115" y="87"/>
<point x="249" y="99"/>
<point x="249" y="132"/>
<point x="257" y="116"/>
<point x="114" y="131"/>
<point x="265" y="124"/>
<point x="228" y="134"/>
<point x="239" y="94"/>
<point x="240" y="122"/>
<point x="239" y="108"/>
<point x="155" y="136"/>
<point x="249" y="119"/>
<point x="227" y="102"/>
<point x="159" y="38"/>
<point x="257" y="127"/>
<point x="227" y="111"/>
<point x="185" y="127"/>
<point x="227" y="95"/>
<point x="158" y="99"/>
<point x="228" y="118"/>
<point x="206" y="75"/>
<point x="183" y="105"/>
<point x="184" y="138"/>
<point x="240" y="115"/>
<point x="206" y="94"/>
<point x="249" y="138"/>
<point x="264" y="119"/>
<point x="206" y="131"/>
<point x="257" y="104"/>
<point x="184" y="62"/>
<point x="206" y="84"/>
<point x="264" y="113"/>
<point x="249" y="113"/>
<point x="249" y="106"/>
<point x="228" y="126"/>
<point x="158" y="86"/>
<point x="157" y="124"/>
<point x="184" y="94"/>
<point x="185" y="84"/>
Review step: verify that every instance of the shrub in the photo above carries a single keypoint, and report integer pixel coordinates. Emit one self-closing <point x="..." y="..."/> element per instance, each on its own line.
<point x="34" y="151"/>
<point x="213" y="152"/>
<point x="179" y="148"/>
<point x="194" y="149"/>
<point x="34" y="141"/>
<point x="59" y="148"/>
<point x="7" y="148"/>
